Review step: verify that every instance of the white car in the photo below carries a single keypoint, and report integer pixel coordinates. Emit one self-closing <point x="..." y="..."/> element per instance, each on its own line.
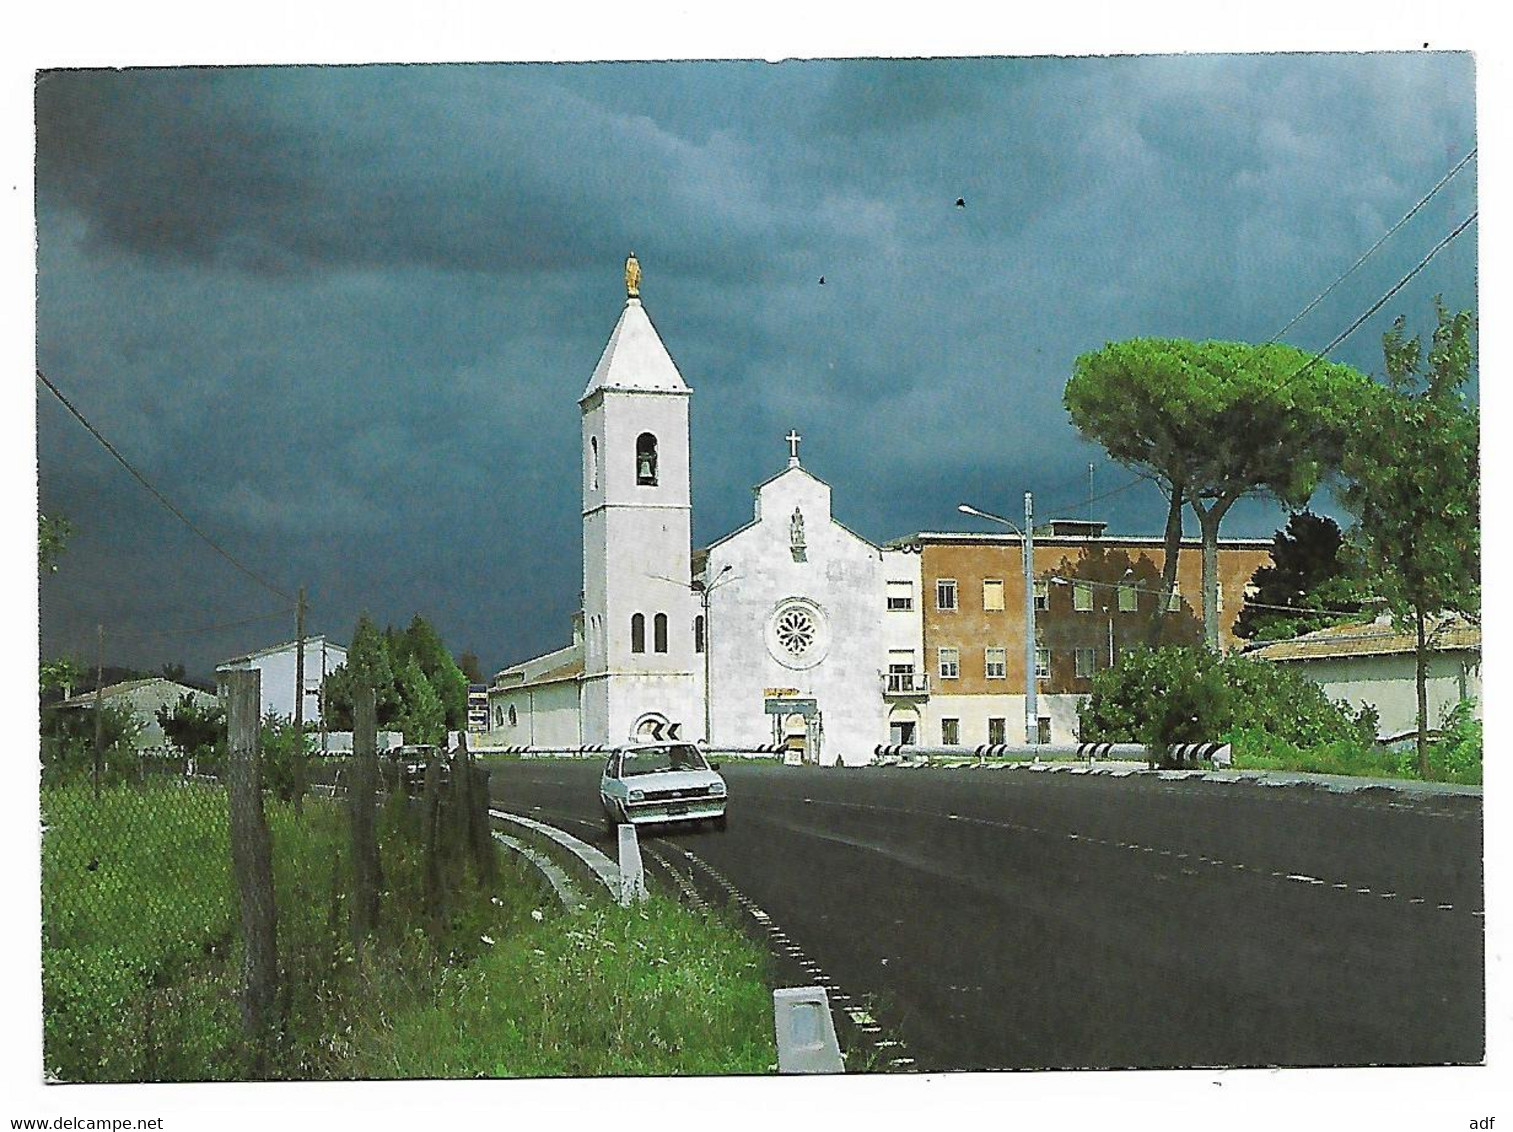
<point x="647" y="783"/>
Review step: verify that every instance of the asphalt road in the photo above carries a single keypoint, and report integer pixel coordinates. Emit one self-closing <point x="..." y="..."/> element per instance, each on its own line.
<point x="1005" y="919"/>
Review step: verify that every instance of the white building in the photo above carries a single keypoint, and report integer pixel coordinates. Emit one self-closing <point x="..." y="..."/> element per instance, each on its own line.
<point x="801" y="659"/>
<point x="1375" y="664"/>
<point x="797" y="644"/>
<point x="143" y="698"/>
<point x="277" y="665"/>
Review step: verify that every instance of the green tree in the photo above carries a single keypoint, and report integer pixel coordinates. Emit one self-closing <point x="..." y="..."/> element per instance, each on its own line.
<point x="52" y="538"/>
<point x="190" y="728"/>
<point x="61" y="674"/>
<point x="1213" y="422"/>
<point x="421" y="643"/>
<point x="368" y="664"/>
<point x="1313" y="582"/>
<point x="1413" y="479"/>
<point x="471" y="668"/>
<point x="423" y="717"/>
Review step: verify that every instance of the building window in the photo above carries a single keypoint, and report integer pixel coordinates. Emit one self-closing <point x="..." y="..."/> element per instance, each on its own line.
<point x="900" y="596"/>
<point x="593" y="463"/>
<point x="945" y="593"/>
<point x="950" y="663"/>
<point x="659" y="632"/>
<point x="646" y="460"/>
<point x="1082" y="597"/>
<point x="514" y="719"/>
<point x="995" y="663"/>
<point x="637" y="632"/>
<point x="950" y="732"/>
<point x="698" y="633"/>
<point x="992" y="594"/>
<point x="901" y="671"/>
<point x="1042" y="663"/>
<point x="1042" y="596"/>
<point x="1043" y="729"/>
<point x="997" y="729"/>
<point x="1129" y="599"/>
<point x="1174" y="602"/>
<point x="1086" y="658"/>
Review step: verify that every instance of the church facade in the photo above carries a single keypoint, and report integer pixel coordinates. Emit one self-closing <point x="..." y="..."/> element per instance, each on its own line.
<point x="791" y="632"/>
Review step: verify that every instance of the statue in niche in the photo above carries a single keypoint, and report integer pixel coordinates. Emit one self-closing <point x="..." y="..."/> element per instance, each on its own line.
<point x="796" y="534"/>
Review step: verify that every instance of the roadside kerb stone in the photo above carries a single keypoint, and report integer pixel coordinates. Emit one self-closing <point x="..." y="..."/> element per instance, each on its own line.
<point x="600" y="867"/>
<point x="567" y="892"/>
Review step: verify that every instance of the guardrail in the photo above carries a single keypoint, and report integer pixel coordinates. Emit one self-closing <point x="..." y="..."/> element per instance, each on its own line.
<point x="1217" y="753"/>
<point x="597" y="750"/>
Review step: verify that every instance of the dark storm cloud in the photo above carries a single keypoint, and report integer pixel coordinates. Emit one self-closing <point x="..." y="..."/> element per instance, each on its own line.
<point x="344" y="314"/>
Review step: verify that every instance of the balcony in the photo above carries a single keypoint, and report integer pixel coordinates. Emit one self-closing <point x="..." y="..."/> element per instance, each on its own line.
<point x="905" y="684"/>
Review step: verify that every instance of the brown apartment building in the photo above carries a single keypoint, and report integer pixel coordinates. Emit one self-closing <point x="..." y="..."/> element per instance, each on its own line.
<point x="1095" y="595"/>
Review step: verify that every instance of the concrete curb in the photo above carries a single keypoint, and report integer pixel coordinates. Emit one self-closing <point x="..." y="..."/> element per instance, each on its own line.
<point x="1334" y="783"/>
<point x="567" y="892"/>
<point x="605" y="870"/>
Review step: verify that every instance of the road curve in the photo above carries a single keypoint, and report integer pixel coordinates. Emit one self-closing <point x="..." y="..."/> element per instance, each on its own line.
<point x="1006" y="919"/>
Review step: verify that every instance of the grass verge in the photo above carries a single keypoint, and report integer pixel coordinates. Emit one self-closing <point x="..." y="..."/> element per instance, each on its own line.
<point x="141" y="959"/>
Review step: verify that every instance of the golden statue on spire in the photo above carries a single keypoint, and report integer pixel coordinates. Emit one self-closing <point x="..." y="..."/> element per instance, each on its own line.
<point x="632" y="277"/>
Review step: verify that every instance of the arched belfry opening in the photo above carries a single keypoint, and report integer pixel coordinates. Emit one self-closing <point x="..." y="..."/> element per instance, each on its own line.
<point x="646" y="460"/>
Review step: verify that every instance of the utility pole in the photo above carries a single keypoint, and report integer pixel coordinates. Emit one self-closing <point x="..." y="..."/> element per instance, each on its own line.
<point x="99" y="703"/>
<point x="1031" y="711"/>
<point x="299" y="662"/>
<point x="299" y="697"/>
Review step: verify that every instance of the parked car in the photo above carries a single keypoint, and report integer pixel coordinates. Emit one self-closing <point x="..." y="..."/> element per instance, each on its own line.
<point x="647" y="783"/>
<point x="412" y="767"/>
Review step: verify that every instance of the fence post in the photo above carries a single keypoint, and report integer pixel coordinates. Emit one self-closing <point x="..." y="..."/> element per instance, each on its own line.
<point x="361" y="786"/>
<point x="479" y="840"/>
<point x="252" y="862"/>
<point x="431" y="835"/>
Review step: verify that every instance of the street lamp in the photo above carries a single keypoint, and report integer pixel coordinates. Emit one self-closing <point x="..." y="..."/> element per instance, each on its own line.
<point x="1027" y="547"/>
<point x="704" y="592"/>
<point x="1108" y="610"/>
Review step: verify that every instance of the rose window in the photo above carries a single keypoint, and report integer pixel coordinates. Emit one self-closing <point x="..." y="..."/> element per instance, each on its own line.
<point x="797" y="634"/>
<point x="796" y="631"/>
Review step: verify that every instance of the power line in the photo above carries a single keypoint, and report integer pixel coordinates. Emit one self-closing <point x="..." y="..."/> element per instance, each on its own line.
<point x="158" y="495"/>
<point x="202" y="628"/>
<point x="1376" y="306"/>
<point x="1443" y="181"/>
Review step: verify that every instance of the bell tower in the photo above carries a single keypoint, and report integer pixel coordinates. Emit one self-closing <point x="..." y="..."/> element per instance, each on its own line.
<point x="639" y="662"/>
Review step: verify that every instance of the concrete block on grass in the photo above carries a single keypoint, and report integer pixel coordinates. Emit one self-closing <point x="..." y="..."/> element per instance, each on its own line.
<point x="805" y="1031"/>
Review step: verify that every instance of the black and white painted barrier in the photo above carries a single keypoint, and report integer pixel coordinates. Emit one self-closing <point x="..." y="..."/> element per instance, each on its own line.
<point x="596" y="750"/>
<point x="1217" y="753"/>
<point x="805" y="1031"/>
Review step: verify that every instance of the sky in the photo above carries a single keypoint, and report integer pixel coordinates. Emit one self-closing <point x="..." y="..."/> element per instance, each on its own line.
<point x="341" y="316"/>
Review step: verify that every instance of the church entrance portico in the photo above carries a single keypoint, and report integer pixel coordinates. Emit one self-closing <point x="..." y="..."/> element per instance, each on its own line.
<point x="797" y="727"/>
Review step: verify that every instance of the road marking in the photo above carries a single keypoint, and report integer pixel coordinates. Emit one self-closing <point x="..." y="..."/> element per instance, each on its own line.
<point x="779" y="939"/>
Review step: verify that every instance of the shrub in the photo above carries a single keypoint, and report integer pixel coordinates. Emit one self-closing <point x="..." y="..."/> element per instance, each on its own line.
<point x="68" y="744"/>
<point x="1186" y="695"/>
<point x="1455" y="756"/>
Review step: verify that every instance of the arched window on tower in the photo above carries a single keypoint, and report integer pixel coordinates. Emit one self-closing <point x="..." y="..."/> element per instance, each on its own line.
<point x="659" y="632"/>
<point x="593" y="463"/>
<point x="646" y="460"/>
<point x="638" y="632"/>
<point x="698" y="633"/>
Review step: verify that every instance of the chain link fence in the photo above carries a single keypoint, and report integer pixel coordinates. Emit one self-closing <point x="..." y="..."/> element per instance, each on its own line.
<point x="198" y="925"/>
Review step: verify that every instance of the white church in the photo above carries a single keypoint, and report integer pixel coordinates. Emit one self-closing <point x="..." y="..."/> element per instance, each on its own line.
<point x="773" y="635"/>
